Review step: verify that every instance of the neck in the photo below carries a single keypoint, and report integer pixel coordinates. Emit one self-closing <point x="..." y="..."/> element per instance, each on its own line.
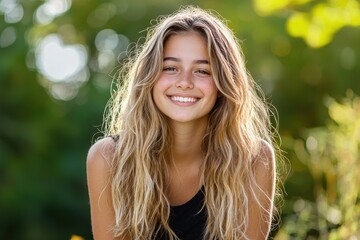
<point x="187" y="139"/>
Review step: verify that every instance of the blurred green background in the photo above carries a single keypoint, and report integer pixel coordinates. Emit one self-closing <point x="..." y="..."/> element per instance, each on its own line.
<point x="57" y="61"/>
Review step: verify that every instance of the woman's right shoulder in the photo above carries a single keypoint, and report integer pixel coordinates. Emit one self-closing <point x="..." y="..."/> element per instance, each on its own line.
<point x="101" y="153"/>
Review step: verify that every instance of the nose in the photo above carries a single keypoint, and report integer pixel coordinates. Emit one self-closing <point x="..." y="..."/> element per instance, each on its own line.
<point x="185" y="81"/>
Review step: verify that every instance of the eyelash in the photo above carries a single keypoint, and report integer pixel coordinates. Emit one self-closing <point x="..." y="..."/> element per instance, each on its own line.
<point x="200" y="71"/>
<point x="203" y="72"/>
<point x="171" y="69"/>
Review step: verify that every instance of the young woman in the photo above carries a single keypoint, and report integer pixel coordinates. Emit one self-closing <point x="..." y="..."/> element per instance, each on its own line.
<point x="190" y="153"/>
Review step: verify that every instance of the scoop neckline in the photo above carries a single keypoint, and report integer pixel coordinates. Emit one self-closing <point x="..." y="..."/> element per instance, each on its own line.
<point x="199" y="194"/>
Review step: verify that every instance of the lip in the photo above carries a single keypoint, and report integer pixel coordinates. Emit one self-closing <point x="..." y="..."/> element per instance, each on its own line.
<point x="182" y="95"/>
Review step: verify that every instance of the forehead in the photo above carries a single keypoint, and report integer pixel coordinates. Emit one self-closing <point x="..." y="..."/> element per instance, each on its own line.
<point x="185" y="44"/>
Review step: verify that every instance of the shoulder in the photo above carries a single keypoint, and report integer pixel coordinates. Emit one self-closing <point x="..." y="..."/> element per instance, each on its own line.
<point x="262" y="193"/>
<point x="101" y="154"/>
<point x="265" y="159"/>
<point x="98" y="167"/>
<point x="264" y="167"/>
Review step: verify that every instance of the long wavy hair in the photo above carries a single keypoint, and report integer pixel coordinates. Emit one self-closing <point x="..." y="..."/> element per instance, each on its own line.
<point x="237" y="125"/>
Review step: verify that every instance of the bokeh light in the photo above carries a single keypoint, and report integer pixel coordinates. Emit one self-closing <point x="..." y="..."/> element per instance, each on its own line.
<point x="65" y="66"/>
<point x="348" y="58"/>
<point x="46" y="12"/>
<point x="58" y="62"/>
<point x="7" y="37"/>
<point x="104" y="12"/>
<point x="110" y="45"/>
<point x="12" y="10"/>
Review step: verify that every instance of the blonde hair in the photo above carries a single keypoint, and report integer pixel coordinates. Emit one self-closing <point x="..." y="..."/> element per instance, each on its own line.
<point x="237" y="125"/>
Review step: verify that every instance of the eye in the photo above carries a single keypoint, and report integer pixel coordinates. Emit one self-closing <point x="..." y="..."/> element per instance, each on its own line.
<point x="169" y="69"/>
<point x="203" y="72"/>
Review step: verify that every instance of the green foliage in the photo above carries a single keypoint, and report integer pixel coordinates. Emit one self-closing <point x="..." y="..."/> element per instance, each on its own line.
<point x="332" y="155"/>
<point x="48" y="124"/>
<point x="318" y="24"/>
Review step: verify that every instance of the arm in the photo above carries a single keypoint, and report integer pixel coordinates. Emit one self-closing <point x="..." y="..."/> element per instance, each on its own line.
<point x="98" y="173"/>
<point x="264" y="174"/>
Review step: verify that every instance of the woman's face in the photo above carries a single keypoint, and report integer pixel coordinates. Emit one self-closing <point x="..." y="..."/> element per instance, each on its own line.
<point x="185" y="91"/>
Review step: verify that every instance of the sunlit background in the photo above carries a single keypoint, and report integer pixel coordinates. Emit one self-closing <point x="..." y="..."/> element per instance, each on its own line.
<point x="57" y="62"/>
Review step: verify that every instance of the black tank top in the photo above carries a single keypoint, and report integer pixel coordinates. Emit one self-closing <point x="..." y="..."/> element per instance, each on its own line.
<point x="187" y="220"/>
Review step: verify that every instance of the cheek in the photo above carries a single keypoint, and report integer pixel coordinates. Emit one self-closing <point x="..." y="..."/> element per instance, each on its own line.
<point x="158" y="90"/>
<point x="210" y="88"/>
<point x="161" y="84"/>
<point x="155" y="94"/>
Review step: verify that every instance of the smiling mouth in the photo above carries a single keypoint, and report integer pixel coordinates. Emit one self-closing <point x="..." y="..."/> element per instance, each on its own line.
<point x="184" y="99"/>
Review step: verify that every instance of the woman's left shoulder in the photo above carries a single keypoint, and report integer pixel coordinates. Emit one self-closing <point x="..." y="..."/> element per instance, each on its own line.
<point x="264" y="161"/>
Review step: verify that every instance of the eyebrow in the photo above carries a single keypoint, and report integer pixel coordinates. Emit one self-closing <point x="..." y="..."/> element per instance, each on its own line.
<point x="178" y="60"/>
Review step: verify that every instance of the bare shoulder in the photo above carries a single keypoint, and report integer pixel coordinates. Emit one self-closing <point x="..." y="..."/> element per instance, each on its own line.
<point x="264" y="168"/>
<point x="261" y="200"/>
<point x="101" y="153"/>
<point x="265" y="160"/>
<point x="99" y="159"/>
<point x="98" y="166"/>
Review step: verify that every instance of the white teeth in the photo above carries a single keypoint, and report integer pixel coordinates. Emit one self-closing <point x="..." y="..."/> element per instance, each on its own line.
<point x="183" y="99"/>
